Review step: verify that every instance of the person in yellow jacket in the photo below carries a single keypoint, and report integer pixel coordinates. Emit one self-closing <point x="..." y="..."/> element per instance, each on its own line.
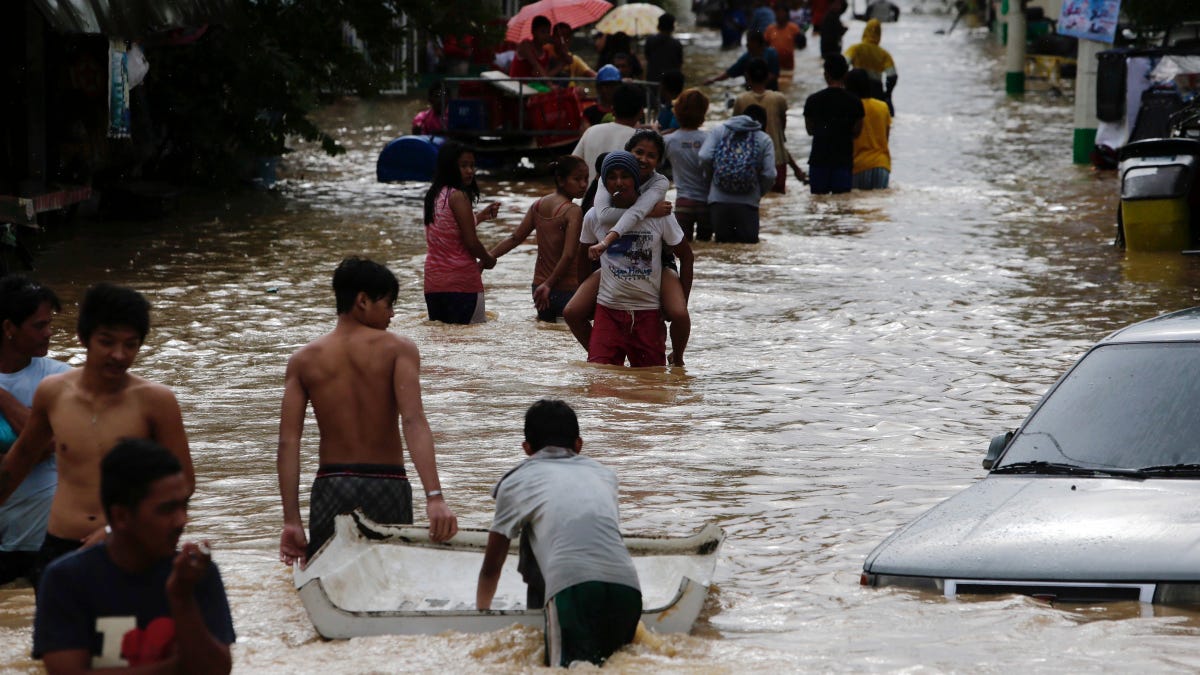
<point x="872" y="159"/>
<point x="878" y="63"/>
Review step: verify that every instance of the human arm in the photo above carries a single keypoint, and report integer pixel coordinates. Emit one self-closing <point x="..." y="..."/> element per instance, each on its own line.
<point x="800" y="174"/>
<point x="13" y="410"/>
<point x="293" y="544"/>
<point x="650" y="202"/>
<point x="687" y="258"/>
<point x="467" y="222"/>
<point x="167" y="430"/>
<point x="406" y="382"/>
<point x="583" y="264"/>
<point x="489" y="573"/>
<point x="766" y="176"/>
<point x="518" y="235"/>
<point x="29" y="446"/>
<point x="580" y="68"/>
<point x="541" y="294"/>
<point x="587" y="237"/>
<point x="197" y="650"/>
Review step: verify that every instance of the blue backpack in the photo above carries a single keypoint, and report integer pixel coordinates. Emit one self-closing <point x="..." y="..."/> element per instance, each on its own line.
<point x="735" y="163"/>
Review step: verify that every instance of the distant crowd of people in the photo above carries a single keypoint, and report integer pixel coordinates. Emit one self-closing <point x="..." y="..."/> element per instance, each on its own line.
<point x="96" y="474"/>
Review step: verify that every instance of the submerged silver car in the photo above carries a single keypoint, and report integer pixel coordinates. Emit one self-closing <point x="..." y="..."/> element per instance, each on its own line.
<point x="1095" y="497"/>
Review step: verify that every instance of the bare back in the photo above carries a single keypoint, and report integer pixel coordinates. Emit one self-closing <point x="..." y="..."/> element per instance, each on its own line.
<point x="550" y="223"/>
<point x="349" y="376"/>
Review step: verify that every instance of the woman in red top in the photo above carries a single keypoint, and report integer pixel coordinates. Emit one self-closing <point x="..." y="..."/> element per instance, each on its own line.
<point x="453" y="276"/>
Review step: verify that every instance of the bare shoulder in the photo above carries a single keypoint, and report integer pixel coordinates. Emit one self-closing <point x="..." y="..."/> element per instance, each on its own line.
<point x="53" y="385"/>
<point x="397" y="345"/>
<point x="152" y="392"/>
<point x="308" y="353"/>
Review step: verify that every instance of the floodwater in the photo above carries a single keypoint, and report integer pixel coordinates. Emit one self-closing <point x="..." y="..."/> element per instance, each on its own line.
<point x="844" y="375"/>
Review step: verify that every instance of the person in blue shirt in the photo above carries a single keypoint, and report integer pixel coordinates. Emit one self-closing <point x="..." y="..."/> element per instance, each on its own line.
<point x="756" y="48"/>
<point x="26" y="311"/>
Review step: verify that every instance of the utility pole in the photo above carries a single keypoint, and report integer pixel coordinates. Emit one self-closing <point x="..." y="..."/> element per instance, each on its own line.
<point x="1086" y="69"/>
<point x="1014" y="61"/>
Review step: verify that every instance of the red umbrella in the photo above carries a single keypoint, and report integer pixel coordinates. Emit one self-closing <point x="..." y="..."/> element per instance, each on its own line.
<point x="574" y="12"/>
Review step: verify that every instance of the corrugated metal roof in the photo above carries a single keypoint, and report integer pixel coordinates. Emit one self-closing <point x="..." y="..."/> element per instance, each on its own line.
<point x="129" y="18"/>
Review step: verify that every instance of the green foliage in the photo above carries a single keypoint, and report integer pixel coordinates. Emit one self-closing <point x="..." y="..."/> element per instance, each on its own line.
<point x="248" y="85"/>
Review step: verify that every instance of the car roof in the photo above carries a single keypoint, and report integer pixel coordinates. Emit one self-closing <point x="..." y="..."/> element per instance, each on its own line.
<point x="1181" y="326"/>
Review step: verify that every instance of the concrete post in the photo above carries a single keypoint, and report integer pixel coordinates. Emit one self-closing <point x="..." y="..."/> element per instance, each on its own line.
<point x="1086" y="69"/>
<point x="1014" y="53"/>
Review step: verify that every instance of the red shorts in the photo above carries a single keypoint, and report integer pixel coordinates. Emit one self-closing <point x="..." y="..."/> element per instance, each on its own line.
<point x="641" y="335"/>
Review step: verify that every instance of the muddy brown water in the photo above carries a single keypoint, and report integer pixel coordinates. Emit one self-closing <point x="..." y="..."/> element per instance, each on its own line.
<point x="844" y="375"/>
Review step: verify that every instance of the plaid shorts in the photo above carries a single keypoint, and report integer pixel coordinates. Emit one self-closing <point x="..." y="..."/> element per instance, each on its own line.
<point x="382" y="492"/>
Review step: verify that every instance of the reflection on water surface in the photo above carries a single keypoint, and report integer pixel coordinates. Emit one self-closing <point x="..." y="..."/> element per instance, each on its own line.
<point x="843" y="376"/>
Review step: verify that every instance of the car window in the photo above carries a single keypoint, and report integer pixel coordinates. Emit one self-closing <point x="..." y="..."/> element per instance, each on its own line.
<point x="1123" y="406"/>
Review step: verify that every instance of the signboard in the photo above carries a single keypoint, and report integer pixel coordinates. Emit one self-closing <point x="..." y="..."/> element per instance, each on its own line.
<point x="1094" y="20"/>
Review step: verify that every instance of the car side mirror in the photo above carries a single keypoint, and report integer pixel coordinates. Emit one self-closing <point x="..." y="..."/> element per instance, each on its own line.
<point x="999" y="443"/>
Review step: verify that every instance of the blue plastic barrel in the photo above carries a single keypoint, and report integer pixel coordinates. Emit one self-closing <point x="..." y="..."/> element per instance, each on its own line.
<point x="408" y="158"/>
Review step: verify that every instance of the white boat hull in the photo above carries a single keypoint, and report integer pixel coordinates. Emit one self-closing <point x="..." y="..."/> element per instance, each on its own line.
<point x="374" y="579"/>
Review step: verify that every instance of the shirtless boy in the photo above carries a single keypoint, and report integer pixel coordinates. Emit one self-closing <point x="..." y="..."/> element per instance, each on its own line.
<point x="86" y="411"/>
<point x="360" y="378"/>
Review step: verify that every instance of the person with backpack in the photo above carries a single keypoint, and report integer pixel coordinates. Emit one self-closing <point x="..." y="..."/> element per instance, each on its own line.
<point x="776" y="105"/>
<point x="741" y="159"/>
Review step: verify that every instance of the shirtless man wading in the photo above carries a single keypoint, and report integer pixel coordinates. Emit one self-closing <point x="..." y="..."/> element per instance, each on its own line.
<point x="86" y="411"/>
<point x="360" y="378"/>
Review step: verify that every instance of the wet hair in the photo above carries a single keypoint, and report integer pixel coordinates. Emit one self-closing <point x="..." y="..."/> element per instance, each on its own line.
<point x="446" y="174"/>
<point x="690" y="108"/>
<point x="858" y="82"/>
<point x="757" y="113"/>
<point x="647" y="135"/>
<point x="107" y="305"/>
<point x="551" y="422"/>
<point x="21" y="296"/>
<point x="627" y="101"/>
<point x="539" y="21"/>
<point x="836" y="67"/>
<point x="356" y="275"/>
<point x="755" y="36"/>
<point x="672" y="82"/>
<point x="130" y="468"/>
<point x="756" y="71"/>
<point x="564" y="166"/>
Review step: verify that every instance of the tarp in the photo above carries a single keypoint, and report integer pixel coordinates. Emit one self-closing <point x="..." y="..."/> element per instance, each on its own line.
<point x="129" y="19"/>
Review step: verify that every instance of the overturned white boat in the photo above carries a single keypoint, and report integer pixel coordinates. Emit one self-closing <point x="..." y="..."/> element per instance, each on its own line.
<point x="377" y="579"/>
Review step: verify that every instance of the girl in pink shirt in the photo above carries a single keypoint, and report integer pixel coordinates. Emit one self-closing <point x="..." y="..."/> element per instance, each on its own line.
<point x="456" y="258"/>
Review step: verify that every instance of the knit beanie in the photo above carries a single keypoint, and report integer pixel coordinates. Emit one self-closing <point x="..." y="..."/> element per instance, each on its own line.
<point x="623" y="160"/>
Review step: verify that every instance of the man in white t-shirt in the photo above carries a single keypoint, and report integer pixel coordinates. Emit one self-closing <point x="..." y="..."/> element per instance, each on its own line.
<point x="629" y="321"/>
<point x="609" y="136"/>
<point x="565" y="504"/>
<point x="26" y="311"/>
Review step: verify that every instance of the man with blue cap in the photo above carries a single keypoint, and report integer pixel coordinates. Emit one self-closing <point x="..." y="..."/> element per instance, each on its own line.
<point x="629" y="321"/>
<point x="608" y="78"/>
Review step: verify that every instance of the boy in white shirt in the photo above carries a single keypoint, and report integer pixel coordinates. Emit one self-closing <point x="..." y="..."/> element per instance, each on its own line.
<point x="628" y="320"/>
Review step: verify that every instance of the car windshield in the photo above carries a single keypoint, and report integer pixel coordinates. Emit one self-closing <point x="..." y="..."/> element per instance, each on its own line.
<point x="1128" y="406"/>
